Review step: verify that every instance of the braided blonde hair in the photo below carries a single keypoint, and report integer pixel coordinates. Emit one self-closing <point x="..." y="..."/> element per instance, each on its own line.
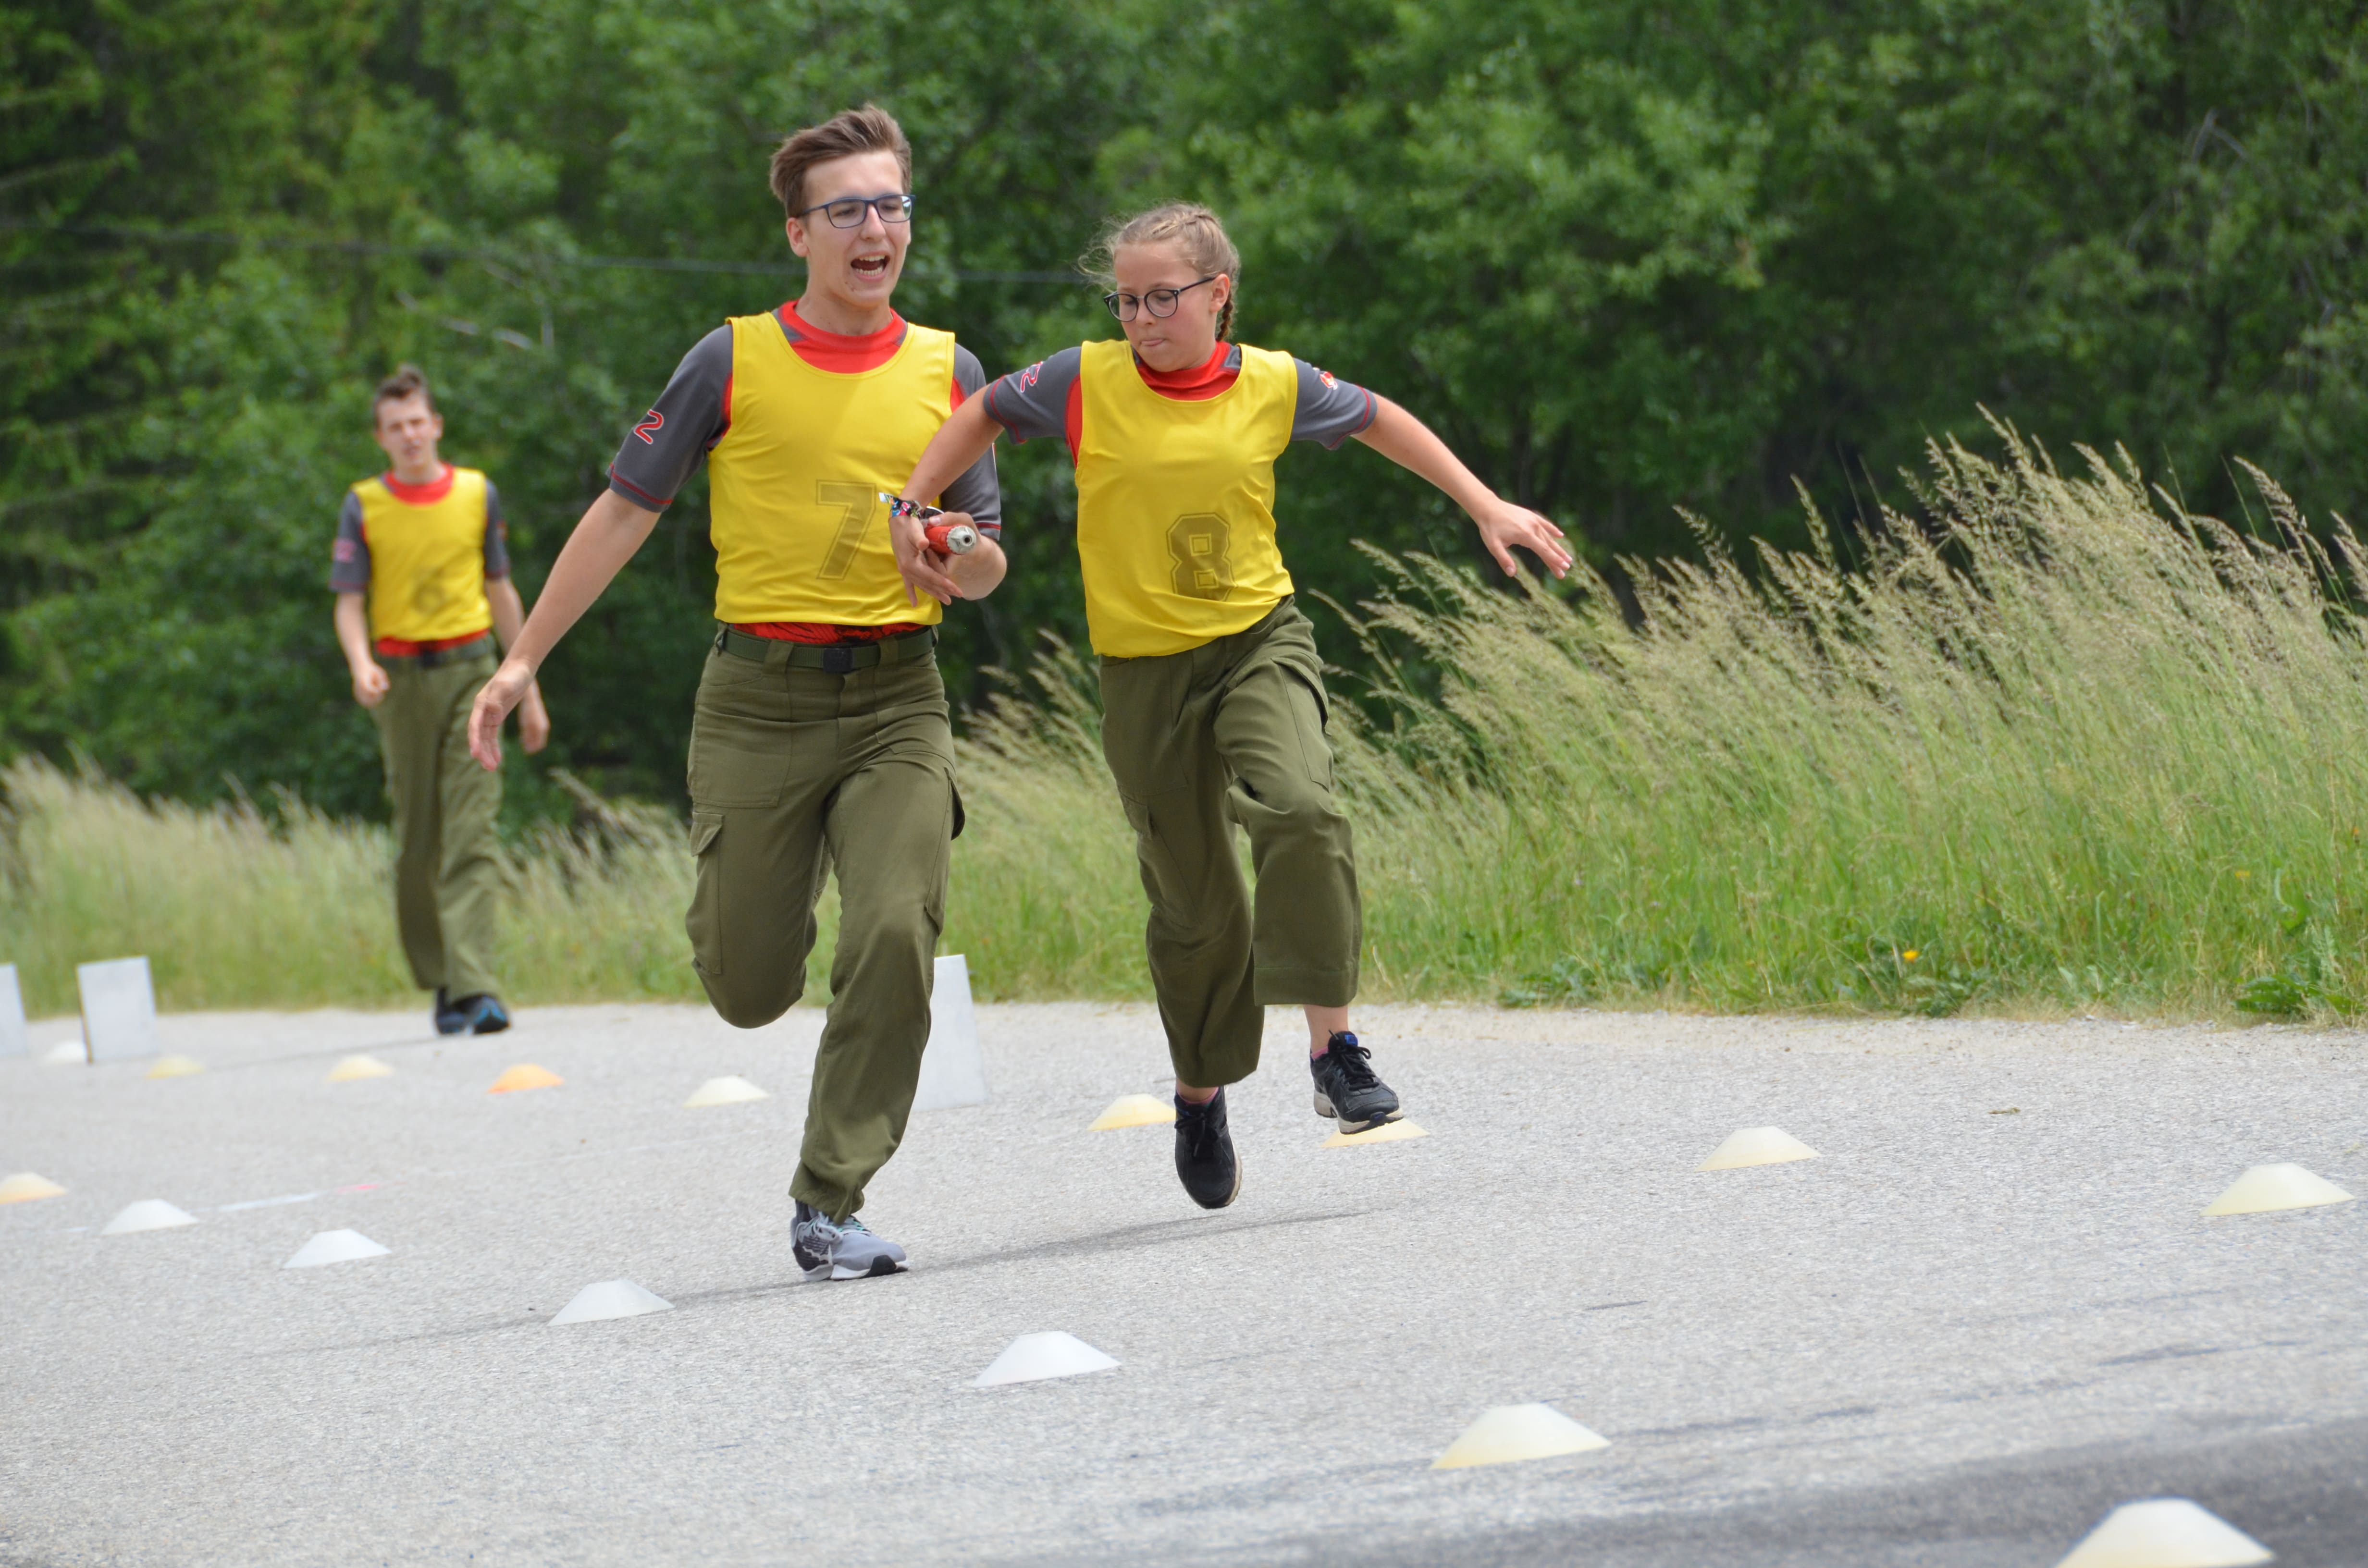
<point x="1190" y="228"/>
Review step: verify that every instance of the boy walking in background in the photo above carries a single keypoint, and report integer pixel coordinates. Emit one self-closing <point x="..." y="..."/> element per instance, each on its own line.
<point x="421" y="571"/>
<point x="820" y="740"/>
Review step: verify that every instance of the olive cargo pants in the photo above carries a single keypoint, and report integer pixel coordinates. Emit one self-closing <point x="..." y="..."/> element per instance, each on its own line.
<point x="796" y="770"/>
<point x="446" y="879"/>
<point x="1232" y="732"/>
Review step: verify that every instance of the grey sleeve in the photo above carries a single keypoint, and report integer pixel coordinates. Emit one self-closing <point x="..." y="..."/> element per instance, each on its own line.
<point x="497" y="537"/>
<point x="349" y="564"/>
<point x="975" y="490"/>
<point x="665" y="445"/>
<point x="1035" y="403"/>
<point x="1330" y="410"/>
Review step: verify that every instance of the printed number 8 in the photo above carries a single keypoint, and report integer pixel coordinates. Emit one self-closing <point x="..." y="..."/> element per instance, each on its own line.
<point x="1200" y="546"/>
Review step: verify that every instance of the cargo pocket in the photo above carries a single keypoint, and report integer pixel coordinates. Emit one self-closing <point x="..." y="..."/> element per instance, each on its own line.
<point x="1310" y="715"/>
<point x="961" y="818"/>
<point x="705" y="922"/>
<point x="1163" y="882"/>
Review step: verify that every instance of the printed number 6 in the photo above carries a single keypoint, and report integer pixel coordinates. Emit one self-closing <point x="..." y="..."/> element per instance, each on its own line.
<point x="1200" y="546"/>
<point x="856" y="504"/>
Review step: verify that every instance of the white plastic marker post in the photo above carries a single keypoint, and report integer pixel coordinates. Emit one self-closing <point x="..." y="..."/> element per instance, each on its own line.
<point x="1387" y="1132"/>
<point x="27" y="1186"/>
<point x="119" y="1009"/>
<point x="2166" y="1532"/>
<point x="1032" y="1356"/>
<point x="1134" y="1110"/>
<point x="352" y="1068"/>
<point x="1509" y="1433"/>
<point x="2265" y="1189"/>
<point x="148" y="1214"/>
<point x="952" y="1072"/>
<point x="13" y="1042"/>
<point x="611" y="1299"/>
<point x="335" y="1246"/>
<point x="1757" y="1146"/>
<point x="724" y="1091"/>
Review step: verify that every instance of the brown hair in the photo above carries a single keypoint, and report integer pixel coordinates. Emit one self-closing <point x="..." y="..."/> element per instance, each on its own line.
<point x="867" y="130"/>
<point x="408" y="380"/>
<point x="1190" y="228"/>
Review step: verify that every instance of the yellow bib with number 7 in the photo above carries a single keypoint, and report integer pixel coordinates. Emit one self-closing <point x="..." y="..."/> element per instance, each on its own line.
<point x="794" y="487"/>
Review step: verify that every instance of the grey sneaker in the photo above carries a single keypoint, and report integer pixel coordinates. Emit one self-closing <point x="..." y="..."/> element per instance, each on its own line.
<point x="841" y="1249"/>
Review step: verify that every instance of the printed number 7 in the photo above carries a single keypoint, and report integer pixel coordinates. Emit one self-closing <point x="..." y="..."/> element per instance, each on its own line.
<point x="857" y="503"/>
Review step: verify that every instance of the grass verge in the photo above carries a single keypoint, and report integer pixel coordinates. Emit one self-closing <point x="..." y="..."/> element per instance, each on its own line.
<point x="2053" y="743"/>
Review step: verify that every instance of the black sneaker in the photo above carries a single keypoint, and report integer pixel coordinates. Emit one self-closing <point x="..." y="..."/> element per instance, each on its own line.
<point x="482" y="1014"/>
<point x="450" y="1017"/>
<point x="1348" y="1089"/>
<point x="1204" y="1153"/>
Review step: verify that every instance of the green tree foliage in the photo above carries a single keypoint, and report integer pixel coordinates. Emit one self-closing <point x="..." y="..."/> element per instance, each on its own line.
<point x="1628" y="257"/>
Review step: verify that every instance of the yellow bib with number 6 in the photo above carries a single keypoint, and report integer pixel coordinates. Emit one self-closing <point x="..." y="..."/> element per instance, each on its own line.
<point x="1176" y="503"/>
<point x="800" y="533"/>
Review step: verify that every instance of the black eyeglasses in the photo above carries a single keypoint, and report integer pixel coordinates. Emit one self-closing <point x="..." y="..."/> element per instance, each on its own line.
<point x="848" y="211"/>
<point x="1161" y="302"/>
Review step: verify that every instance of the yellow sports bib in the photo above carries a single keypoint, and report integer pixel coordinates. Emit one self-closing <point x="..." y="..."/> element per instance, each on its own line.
<point x="799" y="527"/>
<point x="428" y="561"/>
<point x="1176" y="503"/>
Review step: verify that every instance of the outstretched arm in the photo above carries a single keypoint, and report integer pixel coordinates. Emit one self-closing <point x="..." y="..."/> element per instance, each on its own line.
<point x="967" y="436"/>
<point x="1408" y="442"/>
<point x="611" y="530"/>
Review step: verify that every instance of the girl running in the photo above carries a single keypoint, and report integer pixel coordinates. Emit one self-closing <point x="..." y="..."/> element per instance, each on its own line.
<point x="1213" y="692"/>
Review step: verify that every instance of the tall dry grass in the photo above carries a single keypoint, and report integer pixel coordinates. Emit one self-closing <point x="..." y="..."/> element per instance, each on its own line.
<point x="2052" y="744"/>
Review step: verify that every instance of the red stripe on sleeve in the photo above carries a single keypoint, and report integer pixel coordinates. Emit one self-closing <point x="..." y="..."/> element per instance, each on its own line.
<point x="1073" y="416"/>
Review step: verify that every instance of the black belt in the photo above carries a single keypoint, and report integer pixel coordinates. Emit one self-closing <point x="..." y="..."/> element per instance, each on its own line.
<point x="428" y="658"/>
<point x="831" y="658"/>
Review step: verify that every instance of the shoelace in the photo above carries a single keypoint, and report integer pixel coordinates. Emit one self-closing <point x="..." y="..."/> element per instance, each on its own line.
<point x="1353" y="1061"/>
<point x="1197" y="1124"/>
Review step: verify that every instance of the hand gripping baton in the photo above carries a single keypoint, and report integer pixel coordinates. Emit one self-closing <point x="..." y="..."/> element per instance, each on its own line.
<point x="946" y="539"/>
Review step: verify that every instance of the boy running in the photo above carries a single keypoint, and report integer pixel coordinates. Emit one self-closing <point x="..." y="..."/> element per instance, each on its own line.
<point x="1213" y="692"/>
<point x="422" y="562"/>
<point x="820" y="738"/>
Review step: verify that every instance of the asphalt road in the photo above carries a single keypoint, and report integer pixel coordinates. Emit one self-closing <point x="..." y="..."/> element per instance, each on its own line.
<point x="1959" y="1338"/>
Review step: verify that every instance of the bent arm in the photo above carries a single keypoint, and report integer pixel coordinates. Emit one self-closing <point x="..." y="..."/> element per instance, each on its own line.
<point x="978" y="572"/>
<point x="1409" y="443"/>
<point x="968" y="435"/>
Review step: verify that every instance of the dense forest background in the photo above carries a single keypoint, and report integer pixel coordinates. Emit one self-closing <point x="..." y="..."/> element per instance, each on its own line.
<point x="1628" y="255"/>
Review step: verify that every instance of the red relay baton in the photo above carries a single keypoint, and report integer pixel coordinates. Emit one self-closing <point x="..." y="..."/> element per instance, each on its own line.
<point x="946" y="539"/>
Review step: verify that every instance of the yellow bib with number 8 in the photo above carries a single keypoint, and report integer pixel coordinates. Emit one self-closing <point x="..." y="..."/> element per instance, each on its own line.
<point x="1176" y="503"/>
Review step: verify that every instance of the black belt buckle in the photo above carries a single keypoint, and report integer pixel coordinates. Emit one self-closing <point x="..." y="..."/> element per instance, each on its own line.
<point x="838" y="661"/>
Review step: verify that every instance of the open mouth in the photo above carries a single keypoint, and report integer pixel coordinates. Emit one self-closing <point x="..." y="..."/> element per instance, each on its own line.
<point x="873" y="267"/>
